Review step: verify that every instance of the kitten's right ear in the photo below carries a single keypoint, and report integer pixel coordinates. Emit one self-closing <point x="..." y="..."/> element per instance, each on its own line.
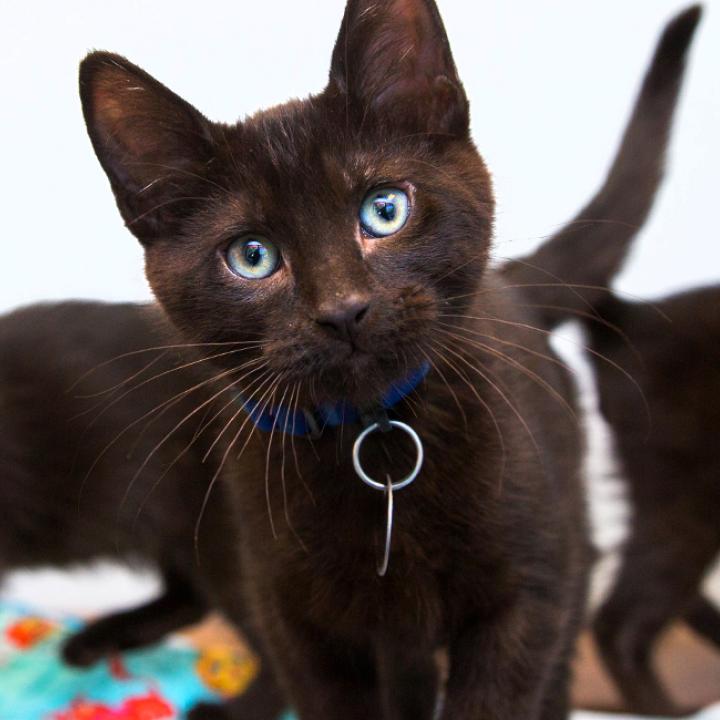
<point x="392" y="60"/>
<point x="154" y="146"/>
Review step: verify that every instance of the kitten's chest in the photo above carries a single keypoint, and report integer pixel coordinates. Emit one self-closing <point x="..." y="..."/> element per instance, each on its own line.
<point x="338" y="583"/>
<point x="317" y="532"/>
<point x="331" y="532"/>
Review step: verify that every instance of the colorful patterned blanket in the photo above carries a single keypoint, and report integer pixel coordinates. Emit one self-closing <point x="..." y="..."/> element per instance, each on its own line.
<point x="159" y="683"/>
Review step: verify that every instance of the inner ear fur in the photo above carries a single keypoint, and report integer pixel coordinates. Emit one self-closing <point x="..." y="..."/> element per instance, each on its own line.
<point x="154" y="146"/>
<point x="392" y="61"/>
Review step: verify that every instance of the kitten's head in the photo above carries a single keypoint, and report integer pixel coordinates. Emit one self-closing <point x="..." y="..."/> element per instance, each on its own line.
<point x="336" y="231"/>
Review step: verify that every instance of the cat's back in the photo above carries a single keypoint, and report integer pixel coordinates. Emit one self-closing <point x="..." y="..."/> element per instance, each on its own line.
<point x="51" y="340"/>
<point x="46" y="349"/>
<point x="670" y="348"/>
<point x="666" y="404"/>
<point x="54" y="356"/>
<point x="77" y="381"/>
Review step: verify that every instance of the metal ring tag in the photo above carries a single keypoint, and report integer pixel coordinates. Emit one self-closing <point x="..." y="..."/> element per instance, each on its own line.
<point x="396" y="485"/>
<point x="382" y="566"/>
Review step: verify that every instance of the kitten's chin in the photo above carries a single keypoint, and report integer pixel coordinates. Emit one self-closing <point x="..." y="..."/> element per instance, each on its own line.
<point x="361" y="380"/>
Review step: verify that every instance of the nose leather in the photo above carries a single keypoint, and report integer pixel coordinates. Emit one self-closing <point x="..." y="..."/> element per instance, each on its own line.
<point x="343" y="317"/>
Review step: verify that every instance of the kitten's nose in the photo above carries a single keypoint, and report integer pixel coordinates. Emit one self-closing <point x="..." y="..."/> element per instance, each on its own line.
<point x="342" y="317"/>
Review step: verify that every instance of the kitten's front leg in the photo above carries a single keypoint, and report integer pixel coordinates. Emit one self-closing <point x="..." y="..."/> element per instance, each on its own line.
<point x="408" y="679"/>
<point x="330" y="682"/>
<point x="505" y="669"/>
<point x="333" y="680"/>
<point x="322" y="677"/>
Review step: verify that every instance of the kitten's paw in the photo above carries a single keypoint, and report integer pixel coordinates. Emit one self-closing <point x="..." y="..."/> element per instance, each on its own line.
<point x="85" y="649"/>
<point x="209" y="711"/>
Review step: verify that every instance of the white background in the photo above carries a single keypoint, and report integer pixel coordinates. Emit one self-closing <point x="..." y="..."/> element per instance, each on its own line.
<point x="550" y="81"/>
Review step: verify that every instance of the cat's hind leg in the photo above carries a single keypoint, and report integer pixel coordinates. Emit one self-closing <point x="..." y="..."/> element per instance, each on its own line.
<point x="658" y="584"/>
<point x="704" y="619"/>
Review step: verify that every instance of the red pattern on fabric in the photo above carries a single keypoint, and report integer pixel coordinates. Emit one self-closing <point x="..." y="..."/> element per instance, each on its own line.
<point x="147" y="707"/>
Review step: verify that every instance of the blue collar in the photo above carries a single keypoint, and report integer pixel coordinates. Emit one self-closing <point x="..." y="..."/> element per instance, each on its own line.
<point x="312" y="423"/>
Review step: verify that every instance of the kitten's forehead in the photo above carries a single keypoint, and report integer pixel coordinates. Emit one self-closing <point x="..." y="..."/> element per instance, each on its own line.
<point x="313" y="137"/>
<point x="303" y="149"/>
<point x="345" y="170"/>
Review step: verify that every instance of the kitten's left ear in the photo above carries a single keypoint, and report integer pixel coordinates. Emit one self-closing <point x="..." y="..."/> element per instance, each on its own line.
<point x="154" y="146"/>
<point x="392" y="59"/>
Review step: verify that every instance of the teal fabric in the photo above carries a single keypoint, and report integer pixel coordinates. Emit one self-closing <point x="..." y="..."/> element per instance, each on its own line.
<point x="159" y="683"/>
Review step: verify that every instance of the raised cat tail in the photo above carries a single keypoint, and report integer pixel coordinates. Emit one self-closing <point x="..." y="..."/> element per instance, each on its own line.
<point x="568" y="274"/>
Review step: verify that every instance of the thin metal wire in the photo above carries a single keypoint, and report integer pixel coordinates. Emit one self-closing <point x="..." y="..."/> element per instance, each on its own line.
<point x="383" y="565"/>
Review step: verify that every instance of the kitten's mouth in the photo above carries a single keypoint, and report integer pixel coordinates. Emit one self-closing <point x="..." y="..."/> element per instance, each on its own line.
<point x="360" y="361"/>
<point x="355" y="352"/>
<point x="351" y="348"/>
<point x="353" y="356"/>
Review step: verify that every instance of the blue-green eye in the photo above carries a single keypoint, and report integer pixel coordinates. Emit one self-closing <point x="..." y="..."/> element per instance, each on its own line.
<point x="253" y="257"/>
<point x="384" y="211"/>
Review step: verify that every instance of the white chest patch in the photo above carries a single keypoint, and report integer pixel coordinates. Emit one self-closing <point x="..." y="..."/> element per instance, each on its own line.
<point x="609" y="509"/>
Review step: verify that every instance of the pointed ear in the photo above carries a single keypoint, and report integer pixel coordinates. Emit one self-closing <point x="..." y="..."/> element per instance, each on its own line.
<point x="392" y="58"/>
<point x="154" y="146"/>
